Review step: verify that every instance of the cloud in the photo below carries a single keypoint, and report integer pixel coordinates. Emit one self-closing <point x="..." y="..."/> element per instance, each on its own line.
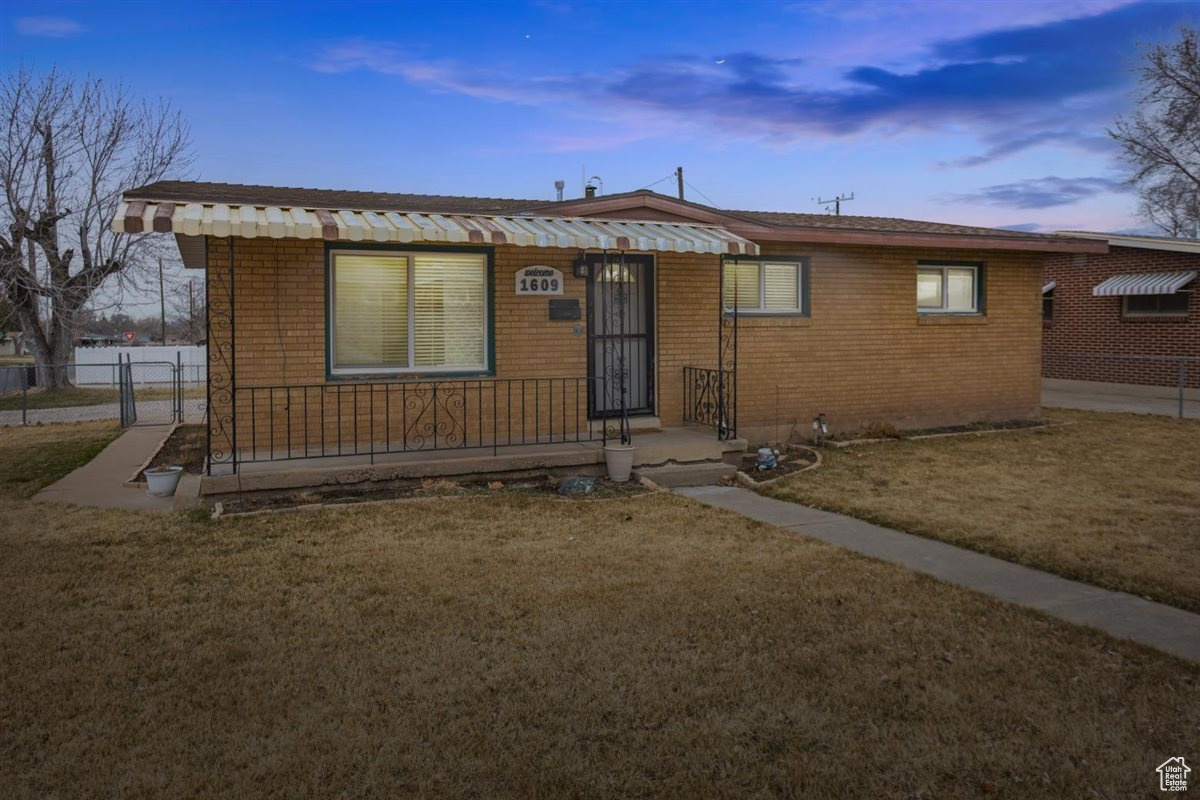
<point x="1014" y="89"/>
<point x="1040" y="192"/>
<point x="386" y="58"/>
<point x="56" y="27"/>
<point x="1009" y="143"/>
<point x="1024" y="227"/>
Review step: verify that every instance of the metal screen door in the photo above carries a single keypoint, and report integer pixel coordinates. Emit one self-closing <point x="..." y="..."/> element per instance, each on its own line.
<point x="620" y="305"/>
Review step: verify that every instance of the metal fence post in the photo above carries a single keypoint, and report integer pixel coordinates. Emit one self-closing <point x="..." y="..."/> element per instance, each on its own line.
<point x="24" y="401"/>
<point x="1182" y="382"/>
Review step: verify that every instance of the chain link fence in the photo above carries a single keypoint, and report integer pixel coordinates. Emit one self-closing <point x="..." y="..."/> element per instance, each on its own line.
<point x="1176" y="377"/>
<point x="157" y="393"/>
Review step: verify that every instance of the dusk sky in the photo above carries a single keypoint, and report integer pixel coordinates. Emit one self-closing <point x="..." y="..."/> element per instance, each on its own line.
<point x="988" y="113"/>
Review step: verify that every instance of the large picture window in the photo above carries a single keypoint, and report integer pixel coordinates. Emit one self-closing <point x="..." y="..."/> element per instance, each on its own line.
<point x="949" y="289"/>
<point x="767" y="286"/>
<point x="407" y="312"/>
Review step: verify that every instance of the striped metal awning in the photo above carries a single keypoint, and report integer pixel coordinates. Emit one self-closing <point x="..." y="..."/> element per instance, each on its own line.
<point x="338" y="225"/>
<point x="1144" y="283"/>
<point x="1049" y="287"/>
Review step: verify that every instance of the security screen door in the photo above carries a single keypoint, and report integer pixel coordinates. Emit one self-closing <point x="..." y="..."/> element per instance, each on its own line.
<point x="620" y="334"/>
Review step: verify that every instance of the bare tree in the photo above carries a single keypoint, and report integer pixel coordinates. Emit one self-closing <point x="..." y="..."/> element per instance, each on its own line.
<point x="67" y="151"/>
<point x="1161" y="138"/>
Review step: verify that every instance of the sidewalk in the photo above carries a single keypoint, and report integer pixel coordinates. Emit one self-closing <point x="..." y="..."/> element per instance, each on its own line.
<point x="1124" y="616"/>
<point x="98" y="483"/>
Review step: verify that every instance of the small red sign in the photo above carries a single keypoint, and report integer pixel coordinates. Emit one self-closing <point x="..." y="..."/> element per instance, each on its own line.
<point x="130" y="335"/>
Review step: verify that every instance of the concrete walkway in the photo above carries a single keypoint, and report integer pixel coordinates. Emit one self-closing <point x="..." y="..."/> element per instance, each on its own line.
<point x="1122" y="397"/>
<point x="1121" y="615"/>
<point x="98" y="483"/>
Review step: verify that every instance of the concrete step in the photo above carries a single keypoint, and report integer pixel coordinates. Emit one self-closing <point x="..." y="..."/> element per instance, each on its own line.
<point x="704" y="473"/>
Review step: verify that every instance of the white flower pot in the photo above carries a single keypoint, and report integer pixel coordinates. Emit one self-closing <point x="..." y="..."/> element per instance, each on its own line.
<point x="163" y="484"/>
<point x="619" y="460"/>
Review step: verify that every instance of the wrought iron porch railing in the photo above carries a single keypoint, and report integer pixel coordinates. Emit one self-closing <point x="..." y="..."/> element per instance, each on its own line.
<point x="709" y="398"/>
<point x="277" y="423"/>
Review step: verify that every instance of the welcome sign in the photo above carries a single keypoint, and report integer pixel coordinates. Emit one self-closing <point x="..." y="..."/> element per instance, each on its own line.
<point x="539" y="279"/>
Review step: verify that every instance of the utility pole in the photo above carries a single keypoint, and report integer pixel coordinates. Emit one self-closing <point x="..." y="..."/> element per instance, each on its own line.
<point x="162" y="302"/>
<point x="679" y="180"/>
<point x="837" y="203"/>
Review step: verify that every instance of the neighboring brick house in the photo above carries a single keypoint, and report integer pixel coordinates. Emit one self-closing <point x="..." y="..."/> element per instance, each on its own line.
<point x="1100" y="310"/>
<point x="355" y="323"/>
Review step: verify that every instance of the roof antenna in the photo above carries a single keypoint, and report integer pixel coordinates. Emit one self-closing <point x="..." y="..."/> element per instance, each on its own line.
<point x="836" y="201"/>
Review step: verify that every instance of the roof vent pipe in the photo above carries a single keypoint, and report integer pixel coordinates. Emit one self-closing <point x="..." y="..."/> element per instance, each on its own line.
<point x="558" y="190"/>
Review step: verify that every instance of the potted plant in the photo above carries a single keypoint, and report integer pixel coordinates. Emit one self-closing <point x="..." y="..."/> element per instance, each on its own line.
<point x="161" y="481"/>
<point x="618" y="452"/>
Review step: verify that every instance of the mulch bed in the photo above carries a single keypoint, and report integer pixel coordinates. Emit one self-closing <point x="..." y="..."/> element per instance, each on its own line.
<point x="539" y="486"/>
<point x="790" y="461"/>
<point x="976" y="427"/>
<point x="183" y="448"/>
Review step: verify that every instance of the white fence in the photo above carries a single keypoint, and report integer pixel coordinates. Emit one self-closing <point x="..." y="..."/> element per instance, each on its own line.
<point x="194" y="359"/>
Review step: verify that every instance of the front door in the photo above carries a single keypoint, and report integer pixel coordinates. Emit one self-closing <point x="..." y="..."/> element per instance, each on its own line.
<point x="620" y="302"/>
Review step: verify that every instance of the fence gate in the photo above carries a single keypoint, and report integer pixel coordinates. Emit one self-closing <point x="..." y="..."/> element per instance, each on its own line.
<point x="151" y="393"/>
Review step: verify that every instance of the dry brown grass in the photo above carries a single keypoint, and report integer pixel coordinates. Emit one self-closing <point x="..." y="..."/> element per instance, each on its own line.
<point x="520" y="647"/>
<point x="34" y="457"/>
<point x="1112" y="499"/>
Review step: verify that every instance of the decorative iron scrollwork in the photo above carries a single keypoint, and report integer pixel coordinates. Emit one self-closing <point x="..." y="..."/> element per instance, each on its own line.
<point x="222" y="362"/>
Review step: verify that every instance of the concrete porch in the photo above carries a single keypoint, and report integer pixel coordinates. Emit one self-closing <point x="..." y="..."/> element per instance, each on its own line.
<point x="655" y="447"/>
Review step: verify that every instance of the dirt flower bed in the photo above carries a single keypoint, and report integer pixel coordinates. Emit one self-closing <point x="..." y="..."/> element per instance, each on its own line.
<point x="792" y="460"/>
<point x="877" y="433"/>
<point x="183" y="448"/>
<point x="544" y="486"/>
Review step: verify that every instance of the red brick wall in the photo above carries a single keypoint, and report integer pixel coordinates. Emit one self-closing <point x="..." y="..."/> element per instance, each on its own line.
<point x="1083" y="323"/>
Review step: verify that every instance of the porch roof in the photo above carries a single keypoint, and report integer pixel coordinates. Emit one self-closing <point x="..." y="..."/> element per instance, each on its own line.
<point x="357" y="225"/>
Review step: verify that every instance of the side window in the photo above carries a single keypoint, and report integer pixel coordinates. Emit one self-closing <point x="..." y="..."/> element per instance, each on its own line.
<point x="949" y="288"/>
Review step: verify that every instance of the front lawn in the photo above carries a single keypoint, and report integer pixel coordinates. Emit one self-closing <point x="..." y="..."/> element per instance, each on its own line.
<point x="32" y="458"/>
<point x="511" y="646"/>
<point x="1111" y="499"/>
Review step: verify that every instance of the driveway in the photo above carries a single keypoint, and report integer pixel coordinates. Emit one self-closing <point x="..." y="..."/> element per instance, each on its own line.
<point x="148" y="411"/>
<point x="1092" y="396"/>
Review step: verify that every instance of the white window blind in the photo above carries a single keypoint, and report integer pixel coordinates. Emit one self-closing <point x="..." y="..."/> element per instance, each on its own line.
<point x="764" y="286"/>
<point x="409" y="311"/>
<point x="448" y="292"/>
<point x="948" y="289"/>
<point x="371" y="309"/>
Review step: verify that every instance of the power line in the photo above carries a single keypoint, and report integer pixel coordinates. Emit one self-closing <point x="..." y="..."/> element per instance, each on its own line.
<point x="657" y="182"/>
<point x="711" y="202"/>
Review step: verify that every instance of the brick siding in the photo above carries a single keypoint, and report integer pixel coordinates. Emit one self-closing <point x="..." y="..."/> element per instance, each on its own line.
<point x="864" y="355"/>
<point x="1083" y="323"/>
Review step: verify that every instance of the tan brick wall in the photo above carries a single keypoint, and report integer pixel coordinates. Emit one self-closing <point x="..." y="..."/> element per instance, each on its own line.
<point x="864" y="355"/>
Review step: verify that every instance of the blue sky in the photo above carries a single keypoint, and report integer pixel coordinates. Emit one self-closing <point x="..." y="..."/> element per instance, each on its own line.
<point x="989" y="113"/>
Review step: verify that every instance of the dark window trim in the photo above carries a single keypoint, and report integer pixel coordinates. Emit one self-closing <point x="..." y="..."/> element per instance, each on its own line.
<point x="1158" y="314"/>
<point x="805" y="263"/>
<point x="392" y="375"/>
<point x="980" y="286"/>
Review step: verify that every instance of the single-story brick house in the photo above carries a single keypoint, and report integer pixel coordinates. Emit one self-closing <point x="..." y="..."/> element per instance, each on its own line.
<point x="1126" y="316"/>
<point x="354" y="324"/>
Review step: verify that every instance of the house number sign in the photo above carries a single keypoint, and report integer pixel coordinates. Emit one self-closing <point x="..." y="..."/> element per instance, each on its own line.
<point x="538" y="279"/>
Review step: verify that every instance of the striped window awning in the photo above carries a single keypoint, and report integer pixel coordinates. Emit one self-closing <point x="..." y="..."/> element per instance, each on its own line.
<point x="1049" y="287"/>
<point x="342" y="225"/>
<point x="1144" y="283"/>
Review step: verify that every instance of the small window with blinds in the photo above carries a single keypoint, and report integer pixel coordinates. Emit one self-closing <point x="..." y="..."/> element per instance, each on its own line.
<point x="408" y="312"/>
<point x="767" y="286"/>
